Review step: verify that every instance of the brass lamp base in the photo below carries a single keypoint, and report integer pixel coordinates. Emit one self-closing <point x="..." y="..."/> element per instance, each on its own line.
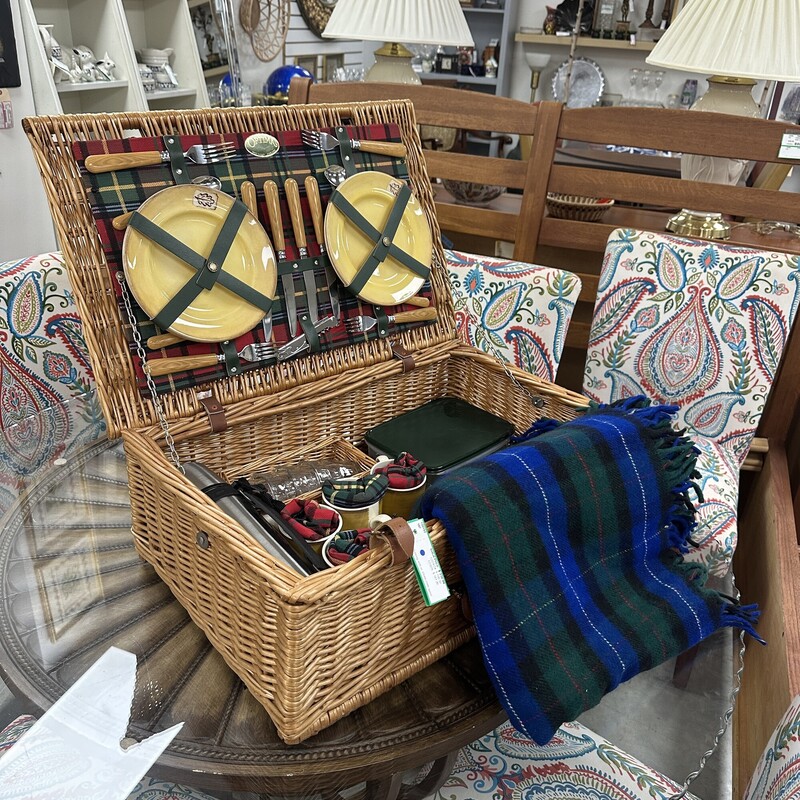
<point x="702" y="224"/>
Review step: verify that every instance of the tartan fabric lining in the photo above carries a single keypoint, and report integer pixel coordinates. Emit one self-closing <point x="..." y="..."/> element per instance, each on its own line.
<point x="113" y="193"/>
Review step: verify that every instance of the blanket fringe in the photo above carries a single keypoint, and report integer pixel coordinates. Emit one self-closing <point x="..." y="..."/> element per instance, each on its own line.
<point x="744" y="617"/>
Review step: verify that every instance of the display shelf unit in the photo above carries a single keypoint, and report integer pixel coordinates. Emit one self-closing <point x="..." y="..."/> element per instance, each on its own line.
<point x="487" y="24"/>
<point x="163" y="24"/>
<point x="585" y="42"/>
<point x="116" y="28"/>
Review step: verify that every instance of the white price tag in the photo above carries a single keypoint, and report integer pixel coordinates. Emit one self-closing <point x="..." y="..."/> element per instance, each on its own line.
<point x="426" y="565"/>
<point x="790" y="146"/>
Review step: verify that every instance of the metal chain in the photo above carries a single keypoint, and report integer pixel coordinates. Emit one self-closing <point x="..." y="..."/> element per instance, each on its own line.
<point x="151" y="385"/>
<point x="725" y="719"/>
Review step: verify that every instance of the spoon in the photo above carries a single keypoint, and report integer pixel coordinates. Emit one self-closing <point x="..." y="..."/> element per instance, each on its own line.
<point x="335" y="175"/>
<point x="211" y="181"/>
<point x="120" y="222"/>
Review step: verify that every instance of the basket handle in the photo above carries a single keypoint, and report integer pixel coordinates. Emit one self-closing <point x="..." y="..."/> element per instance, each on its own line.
<point x="397" y="534"/>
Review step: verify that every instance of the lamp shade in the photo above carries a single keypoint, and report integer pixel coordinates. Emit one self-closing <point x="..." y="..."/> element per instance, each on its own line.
<point x="412" y="21"/>
<point x="737" y="38"/>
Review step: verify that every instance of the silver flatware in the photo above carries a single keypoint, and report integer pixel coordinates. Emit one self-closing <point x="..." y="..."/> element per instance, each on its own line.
<point x="250" y="199"/>
<point x="324" y="141"/>
<point x="363" y="323"/>
<point x="252" y="352"/>
<point x="315" y="205"/>
<point x="298" y="226"/>
<point x="276" y="224"/>
<point x="197" y="154"/>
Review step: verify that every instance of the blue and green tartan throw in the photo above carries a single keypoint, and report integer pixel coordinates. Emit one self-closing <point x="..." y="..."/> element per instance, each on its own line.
<point x="569" y="543"/>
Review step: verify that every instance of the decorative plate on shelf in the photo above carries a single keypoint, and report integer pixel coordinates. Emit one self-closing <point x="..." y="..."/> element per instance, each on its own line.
<point x="586" y="83"/>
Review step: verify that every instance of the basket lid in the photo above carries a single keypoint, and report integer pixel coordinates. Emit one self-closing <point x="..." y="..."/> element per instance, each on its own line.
<point x="87" y="206"/>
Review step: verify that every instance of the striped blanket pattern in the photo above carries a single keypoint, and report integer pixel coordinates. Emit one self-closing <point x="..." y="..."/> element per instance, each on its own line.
<point x="570" y="544"/>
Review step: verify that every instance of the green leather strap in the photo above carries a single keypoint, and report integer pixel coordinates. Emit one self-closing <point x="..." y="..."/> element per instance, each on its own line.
<point x="166" y="240"/>
<point x="346" y="150"/>
<point x="384" y="246"/>
<point x="312" y="337"/>
<point x="297" y="266"/>
<point x="209" y="270"/>
<point x="383" y="321"/>
<point x="233" y="366"/>
<point x="177" y="161"/>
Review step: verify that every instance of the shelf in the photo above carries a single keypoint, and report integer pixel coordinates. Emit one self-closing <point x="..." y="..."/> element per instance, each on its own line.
<point x="162" y="94"/>
<point x="483" y="10"/>
<point x="215" y="72"/>
<point x="452" y="76"/>
<point x="66" y="88"/>
<point x="584" y="41"/>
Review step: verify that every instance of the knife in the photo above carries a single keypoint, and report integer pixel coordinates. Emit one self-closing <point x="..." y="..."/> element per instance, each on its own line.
<point x="300" y="343"/>
<point x="315" y="204"/>
<point x="287" y="279"/>
<point x="298" y="226"/>
<point x="249" y="198"/>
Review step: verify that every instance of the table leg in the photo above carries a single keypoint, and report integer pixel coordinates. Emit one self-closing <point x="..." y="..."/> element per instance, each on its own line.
<point x="432" y="782"/>
<point x="384" y="789"/>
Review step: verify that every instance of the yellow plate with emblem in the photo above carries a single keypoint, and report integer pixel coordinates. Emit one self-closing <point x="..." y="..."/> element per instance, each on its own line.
<point x="373" y="195"/>
<point x="194" y="216"/>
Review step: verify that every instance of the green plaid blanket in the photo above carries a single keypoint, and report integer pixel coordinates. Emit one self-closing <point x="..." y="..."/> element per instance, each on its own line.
<point x="568" y="544"/>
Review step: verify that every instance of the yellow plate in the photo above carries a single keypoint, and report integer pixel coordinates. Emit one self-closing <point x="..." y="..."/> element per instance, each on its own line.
<point x="373" y="194"/>
<point x="194" y="216"/>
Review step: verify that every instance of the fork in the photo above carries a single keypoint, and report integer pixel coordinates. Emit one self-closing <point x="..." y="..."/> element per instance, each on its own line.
<point x="260" y="351"/>
<point x="363" y="323"/>
<point x="324" y="141"/>
<point x="196" y="154"/>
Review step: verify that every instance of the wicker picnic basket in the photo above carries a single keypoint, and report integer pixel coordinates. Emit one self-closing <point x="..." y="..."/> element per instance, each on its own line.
<point x="310" y="649"/>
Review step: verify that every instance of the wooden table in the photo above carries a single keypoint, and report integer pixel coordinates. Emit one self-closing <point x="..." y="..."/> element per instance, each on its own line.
<point x="73" y="585"/>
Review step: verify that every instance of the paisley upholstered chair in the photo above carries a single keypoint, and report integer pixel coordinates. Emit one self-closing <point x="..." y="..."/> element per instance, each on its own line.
<point x="514" y="310"/>
<point x="578" y="763"/>
<point x="700" y="325"/>
<point x="49" y="403"/>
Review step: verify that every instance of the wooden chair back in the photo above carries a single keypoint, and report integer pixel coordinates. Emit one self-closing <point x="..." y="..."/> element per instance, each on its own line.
<point x="461" y="110"/>
<point x="646" y="201"/>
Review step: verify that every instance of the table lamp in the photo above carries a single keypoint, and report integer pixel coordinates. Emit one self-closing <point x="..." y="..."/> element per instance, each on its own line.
<point x="736" y="43"/>
<point x="537" y="62"/>
<point x="435" y="22"/>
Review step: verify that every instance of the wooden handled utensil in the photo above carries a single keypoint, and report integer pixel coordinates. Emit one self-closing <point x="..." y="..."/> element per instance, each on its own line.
<point x="362" y="323"/>
<point x="298" y="226"/>
<point x="276" y="224"/>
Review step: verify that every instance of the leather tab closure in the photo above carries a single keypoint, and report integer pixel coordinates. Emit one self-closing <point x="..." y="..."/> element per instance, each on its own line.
<point x="177" y="161"/>
<point x="406" y="357"/>
<point x="398" y="535"/>
<point x="215" y="411"/>
<point x="346" y="150"/>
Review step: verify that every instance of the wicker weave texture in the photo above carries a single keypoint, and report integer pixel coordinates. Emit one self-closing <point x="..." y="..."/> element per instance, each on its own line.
<point x="310" y="649"/>
<point x="123" y="406"/>
<point x="313" y="649"/>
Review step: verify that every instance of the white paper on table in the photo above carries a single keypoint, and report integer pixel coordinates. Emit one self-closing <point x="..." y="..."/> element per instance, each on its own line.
<point x="73" y="752"/>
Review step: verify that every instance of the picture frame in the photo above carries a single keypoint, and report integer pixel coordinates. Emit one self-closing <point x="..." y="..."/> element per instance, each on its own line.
<point x="310" y="63"/>
<point x="9" y="64"/>
<point x="330" y="63"/>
